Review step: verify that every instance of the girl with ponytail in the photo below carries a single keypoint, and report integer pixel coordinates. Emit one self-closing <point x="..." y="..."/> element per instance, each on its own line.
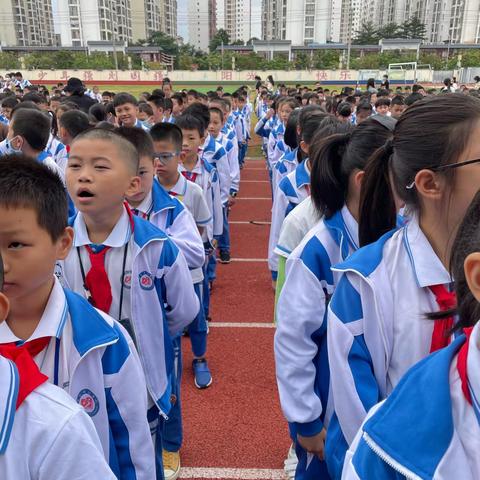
<point x="429" y="425"/>
<point x="377" y="318"/>
<point x="300" y="341"/>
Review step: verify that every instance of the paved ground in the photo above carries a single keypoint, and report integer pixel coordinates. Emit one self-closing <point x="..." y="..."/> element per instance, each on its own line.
<point x="235" y="428"/>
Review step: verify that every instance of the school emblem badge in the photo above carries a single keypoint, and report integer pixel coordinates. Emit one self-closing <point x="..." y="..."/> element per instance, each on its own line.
<point x="146" y="281"/>
<point x="127" y="279"/>
<point x="87" y="399"/>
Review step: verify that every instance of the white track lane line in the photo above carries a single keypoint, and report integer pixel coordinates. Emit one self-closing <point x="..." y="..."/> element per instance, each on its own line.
<point x="249" y="222"/>
<point x="234" y="473"/>
<point x="254" y="198"/>
<point x="255" y="181"/>
<point x="241" y="325"/>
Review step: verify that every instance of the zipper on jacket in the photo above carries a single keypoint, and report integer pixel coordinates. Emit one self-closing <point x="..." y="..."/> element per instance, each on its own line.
<point x="408" y="474"/>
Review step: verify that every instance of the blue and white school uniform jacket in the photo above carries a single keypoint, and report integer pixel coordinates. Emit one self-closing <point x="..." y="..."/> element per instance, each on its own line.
<point x="281" y="149"/>
<point x="240" y="127"/>
<point x="301" y="337"/>
<point x="287" y="163"/>
<point x="214" y="153"/>
<point x="49" y="436"/>
<point x="140" y="124"/>
<point x="275" y="135"/>
<point x="58" y="151"/>
<point x="170" y="215"/>
<point x="425" y="429"/>
<point x="207" y="179"/>
<point x="377" y="327"/>
<point x="162" y="301"/>
<point x="93" y="359"/>
<point x="264" y="126"/>
<point x="291" y="191"/>
<point x="231" y="147"/>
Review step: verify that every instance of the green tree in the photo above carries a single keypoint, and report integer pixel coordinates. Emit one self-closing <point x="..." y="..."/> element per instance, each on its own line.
<point x="237" y="42"/>
<point x="326" y="59"/>
<point x="302" y="61"/>
<point x="413" y="28"/>
<point x="220" y="37"/>
<point x="161" y="39"/>
<point x="390" y="30"/>
<point x="9" y="61"/>
<point x="367" y="35"/>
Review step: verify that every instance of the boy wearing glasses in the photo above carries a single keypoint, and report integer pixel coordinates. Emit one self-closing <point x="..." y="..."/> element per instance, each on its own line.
<point x="171" y="158"/>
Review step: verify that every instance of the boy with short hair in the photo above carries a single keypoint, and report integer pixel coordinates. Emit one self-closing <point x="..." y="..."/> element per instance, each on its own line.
<point x="8" y="104"/>
<point x="167" y="139"/>
<point x="50" y="436"/>
<point x="364" y="110"/>
<point x="71" y="124"/>
<point x="124" y="264"/>
<point x="157" y="102"/>
<point x="167" y="113"/>
<point x="126" y="110"/>
<point x="397" y="107"/>
<point x="153" y="203"/>
<point x="79" y="349"/>
<point x="382" y="106"/>
<point x="177" y="105"/>
<point x="145" y="115"/>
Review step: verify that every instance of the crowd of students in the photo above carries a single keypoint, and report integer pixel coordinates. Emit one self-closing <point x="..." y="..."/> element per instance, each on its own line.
<point x="97" y="305"/>
<point x="112" y="213"/>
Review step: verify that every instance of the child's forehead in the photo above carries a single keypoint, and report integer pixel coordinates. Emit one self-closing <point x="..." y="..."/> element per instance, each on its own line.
<point x="164" y="146"/>
<point x="126" y="104"/>
<point x="190" y="132"/>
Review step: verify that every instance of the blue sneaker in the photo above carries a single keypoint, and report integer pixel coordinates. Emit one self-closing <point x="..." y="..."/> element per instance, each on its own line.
<point x="203" y="377"/>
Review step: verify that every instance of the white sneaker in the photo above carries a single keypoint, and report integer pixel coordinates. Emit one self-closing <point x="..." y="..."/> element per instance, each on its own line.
<point x="171" y="465"/>
<point x="291" y="462"/>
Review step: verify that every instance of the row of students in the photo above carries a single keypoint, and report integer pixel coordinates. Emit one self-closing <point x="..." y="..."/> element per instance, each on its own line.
<point x="375" y="299"/>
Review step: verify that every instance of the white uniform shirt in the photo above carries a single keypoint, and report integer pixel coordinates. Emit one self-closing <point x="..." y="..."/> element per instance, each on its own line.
<point x="51" y="436"/>
<point x="121" y="241"/>
<point x="295" y="226"/>
<point x="192" y="196"/>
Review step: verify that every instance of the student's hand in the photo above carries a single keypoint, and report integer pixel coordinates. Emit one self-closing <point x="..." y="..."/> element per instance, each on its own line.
<point x="231" y="201"/>
<point x="270" y="113"/>
<point x="315" y="444"/>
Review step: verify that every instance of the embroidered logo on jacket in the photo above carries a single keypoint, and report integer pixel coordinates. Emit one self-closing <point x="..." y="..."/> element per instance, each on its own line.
<point x="88" y="400"/>
<point x="146" y="281"/>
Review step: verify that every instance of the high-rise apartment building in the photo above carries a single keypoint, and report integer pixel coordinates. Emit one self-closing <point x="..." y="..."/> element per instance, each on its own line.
<point x="169" y="20"/>
<point x="237" y="19"/>
<point x="26" y="23"/>
<point x="201" y="23"/>
<point x="301" y="21"/>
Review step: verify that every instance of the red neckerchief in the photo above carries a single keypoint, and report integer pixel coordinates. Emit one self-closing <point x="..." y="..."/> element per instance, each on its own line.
<point x="28" y="372"/>
<point x="190" y="175"/>
<point x="462" y="365"/>
<point x="441" y="330"/>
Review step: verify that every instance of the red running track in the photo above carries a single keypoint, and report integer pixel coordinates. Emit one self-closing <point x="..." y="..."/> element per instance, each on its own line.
<point x="235" y="428"/>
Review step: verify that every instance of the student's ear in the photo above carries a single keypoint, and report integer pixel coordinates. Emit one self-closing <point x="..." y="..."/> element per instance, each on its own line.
<point x="304" y="147"/>
<point x="429" y="184"/>
<point x="358" y="179"/>
<point x="64" y="243"/>
<point x="4" y="307"/>
<point x="134" y="186"/>
<point x="471" y="267"/>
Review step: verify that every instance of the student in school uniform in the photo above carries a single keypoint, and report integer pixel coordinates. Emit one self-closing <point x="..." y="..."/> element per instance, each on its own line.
<point x="215" y="130"/>
<point x="168" y="144"/>
<point x="377" y="327"/>
<point x="71" y="124"/>
<point x="303" y="379"/>
<point x="126" y="265"/>
<point x="153" y="203"/>
<point x="241" y="126"/>
<point x="429" y="425"/>
<point x="126" y="111"/>
<point x="79" y="349"/>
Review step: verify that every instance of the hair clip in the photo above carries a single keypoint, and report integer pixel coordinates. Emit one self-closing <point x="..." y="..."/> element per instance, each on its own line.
<point x="410" y="187"/>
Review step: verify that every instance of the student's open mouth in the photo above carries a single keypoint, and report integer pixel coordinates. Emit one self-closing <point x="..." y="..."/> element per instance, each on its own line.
<point x="83" y="193"/>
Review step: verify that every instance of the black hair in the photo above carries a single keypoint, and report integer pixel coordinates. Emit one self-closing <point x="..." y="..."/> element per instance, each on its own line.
<point x="157" y="100"/>
<point x="291" y="136"/>
<point x="310" y="120"/>
<point x="98" y="112"/>
<point x="336" y="157"/>
<point x="74" y="122"/>
<point x="27" y="183"/>
<point x="193" y="93"/>
<point x="383" y="101"/>
<point x="124" y="98"/>
<point x="25" y="106"/>
<point x="168" y="104"/>
<point x="416" y="88"/>
<point x="167" y="132"/>
<point x="200" y="111"/>
<point x="126" y="151"/>
<point x="22" y="123"/>
<point x="35" y="98"/>
<point x="178" y="97"/>
<point x="412" y="98"/>
<point x="145" y="108"/>
<point x="10" y="102"/>
<point x="106" y="126"/>
<point x="218" y="111"/>
<point x="139" y="138"/>
<point x="365" y="105"/>
<point x="157" y="92"/>
<point x="187" y="121"/>
<point x="431" y="133"/>
<point x="398" y="100"/>
<point x="344" y="109"/>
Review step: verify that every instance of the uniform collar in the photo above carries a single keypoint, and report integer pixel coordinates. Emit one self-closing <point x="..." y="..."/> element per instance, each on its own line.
<point x="302" y="174"/>
<point x="9" y="383"/>
<point x="196" y="169"/>
<point x="161" y="199"/>
<point x="118" y="237"/>
<point x="146" y="206"/>
<point x="42" y="156"/>
<point x="427" y="267"/>
<point x="51" y="323"/>
<point x="181" y="186"/>
<point x="344" y="229"/>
